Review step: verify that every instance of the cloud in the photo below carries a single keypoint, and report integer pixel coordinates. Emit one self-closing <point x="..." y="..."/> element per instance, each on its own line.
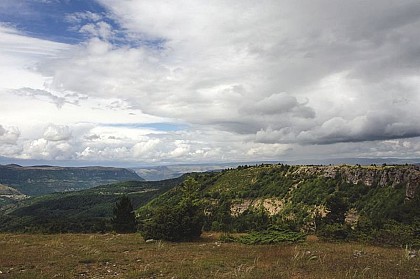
<point x="217" y="70"/>
<point x="248" y="80"/>
<point x="9" y="135"/>
<point x="57" y="133"/>
<point x="142" y="149"/>
<point x="47" y="150"/>
<point x="37" y="93"/>
<point x="100" y="30"/>
<point x="80" y="17"/>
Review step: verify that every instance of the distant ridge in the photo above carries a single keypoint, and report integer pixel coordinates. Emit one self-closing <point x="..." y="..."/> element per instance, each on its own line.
<point x="43" y="179"/>
<point x="154" y="173"/>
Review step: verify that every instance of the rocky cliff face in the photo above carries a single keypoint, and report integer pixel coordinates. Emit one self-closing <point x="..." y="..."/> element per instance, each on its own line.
<point x="393" y="176"/>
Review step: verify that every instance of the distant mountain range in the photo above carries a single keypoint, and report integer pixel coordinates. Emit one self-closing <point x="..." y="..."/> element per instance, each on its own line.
<point x="40" y="180"/>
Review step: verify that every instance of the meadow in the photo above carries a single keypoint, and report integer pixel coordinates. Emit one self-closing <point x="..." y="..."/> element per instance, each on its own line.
<point x="129" y="256"/>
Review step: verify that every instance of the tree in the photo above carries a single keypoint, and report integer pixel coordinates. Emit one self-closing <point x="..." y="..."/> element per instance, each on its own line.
<point x="338" y="207"/>
<point x="333" y="225"/>
<point x="124" y="220"/>
<point x="182" y="222"/>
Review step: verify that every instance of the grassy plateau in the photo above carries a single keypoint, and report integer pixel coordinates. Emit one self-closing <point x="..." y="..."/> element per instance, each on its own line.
<point x="129" y="256"/>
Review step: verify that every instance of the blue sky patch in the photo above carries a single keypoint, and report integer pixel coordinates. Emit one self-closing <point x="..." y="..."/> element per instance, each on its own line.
<point x="49" y="19"/>
<point x="62" y="21"/>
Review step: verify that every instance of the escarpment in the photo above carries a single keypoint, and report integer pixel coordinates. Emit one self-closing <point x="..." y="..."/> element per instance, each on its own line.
<point x="372" y="176"/>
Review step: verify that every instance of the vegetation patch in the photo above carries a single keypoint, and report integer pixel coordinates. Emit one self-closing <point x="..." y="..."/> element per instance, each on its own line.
<point x="272" y="236"/>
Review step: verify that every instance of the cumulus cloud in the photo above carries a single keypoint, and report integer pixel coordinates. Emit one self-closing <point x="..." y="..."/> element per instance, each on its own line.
<point x="57" y="133"/>
<point x="144" y="148"/>
<point x="216" y="68"/>
<point x="9" y="135"/>
<point x="251" y="80"/>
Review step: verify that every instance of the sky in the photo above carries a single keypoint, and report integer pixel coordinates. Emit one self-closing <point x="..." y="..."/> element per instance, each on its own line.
<point x="177" y="81"/>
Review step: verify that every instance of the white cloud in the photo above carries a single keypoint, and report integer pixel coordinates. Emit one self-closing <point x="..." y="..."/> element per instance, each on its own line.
<point x="9" y="135"/>
<point x="100" y="30"/>
<point x="80" y="17"/>
<point x="266" y="80"/>
<point x="142" y="149"/>
<point x="57" y="133"/>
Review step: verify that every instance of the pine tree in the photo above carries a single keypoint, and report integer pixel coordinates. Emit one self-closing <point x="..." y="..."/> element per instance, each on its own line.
<point x="182" y="222"/>
<point x="124" y="220"/>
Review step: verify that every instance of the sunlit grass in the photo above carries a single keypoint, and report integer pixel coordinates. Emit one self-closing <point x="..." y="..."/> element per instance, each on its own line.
<point x="128" y="256"/>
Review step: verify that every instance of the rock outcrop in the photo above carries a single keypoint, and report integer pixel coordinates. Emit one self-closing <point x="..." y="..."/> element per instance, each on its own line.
<point x="380" y="176"/>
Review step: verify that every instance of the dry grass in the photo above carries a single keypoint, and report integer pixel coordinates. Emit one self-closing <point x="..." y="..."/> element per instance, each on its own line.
<point x="128" y="256"/>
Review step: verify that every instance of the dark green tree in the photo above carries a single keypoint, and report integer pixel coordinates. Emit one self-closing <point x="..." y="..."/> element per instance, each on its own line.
<point x="182" y="222"/>
<point x="124" y="220"/>
<point x="338" y="207"/>
<point x="333" y="225"/>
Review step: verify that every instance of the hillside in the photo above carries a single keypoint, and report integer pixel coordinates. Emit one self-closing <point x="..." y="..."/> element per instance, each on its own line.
<point x="256" y="197"/>
<point x="244" y="199"/>
<point x="79" y="211"/>
<point x="8" y="191"/>
<point x="9" y="196"/>
<point x="41" y="180"/>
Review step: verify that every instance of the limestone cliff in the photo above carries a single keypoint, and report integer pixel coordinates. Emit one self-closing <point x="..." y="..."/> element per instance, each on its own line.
<point x="393" y="176"/>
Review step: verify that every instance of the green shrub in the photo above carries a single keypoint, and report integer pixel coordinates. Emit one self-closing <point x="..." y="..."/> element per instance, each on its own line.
<point x="272" y="236"/>
<point x="173" y="224"/>
<point x="227" y="238"/>
<point x="394" y="234"/>
<point x="334" y="231"/>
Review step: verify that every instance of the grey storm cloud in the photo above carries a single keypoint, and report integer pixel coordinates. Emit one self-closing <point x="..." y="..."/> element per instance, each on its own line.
<point x="290" y="47"/>
<point x="277" y="104"/>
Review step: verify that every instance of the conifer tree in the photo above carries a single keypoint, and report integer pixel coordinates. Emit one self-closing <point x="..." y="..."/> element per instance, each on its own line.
<point x="182" y="222"/>
<point x="124" y="220"/>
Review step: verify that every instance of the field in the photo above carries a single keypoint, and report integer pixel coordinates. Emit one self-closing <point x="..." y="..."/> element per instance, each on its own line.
<point x="129" y="256"/>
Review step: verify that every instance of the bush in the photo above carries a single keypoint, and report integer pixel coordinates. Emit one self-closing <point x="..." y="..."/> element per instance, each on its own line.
<point x="334" y="231"/>
<point x="394" y="234"/>
<point x="272" y="236"/>
<point x="173" y="224"/>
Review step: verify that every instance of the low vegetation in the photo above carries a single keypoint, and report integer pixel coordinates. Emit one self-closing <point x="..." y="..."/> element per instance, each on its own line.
<point x="129" y="256"/>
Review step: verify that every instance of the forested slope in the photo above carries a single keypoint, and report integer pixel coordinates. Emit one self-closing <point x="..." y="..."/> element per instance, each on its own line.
<point x="80" y="211"/>
<point x="334" y="199"/>
<point x="41" y="180"/>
